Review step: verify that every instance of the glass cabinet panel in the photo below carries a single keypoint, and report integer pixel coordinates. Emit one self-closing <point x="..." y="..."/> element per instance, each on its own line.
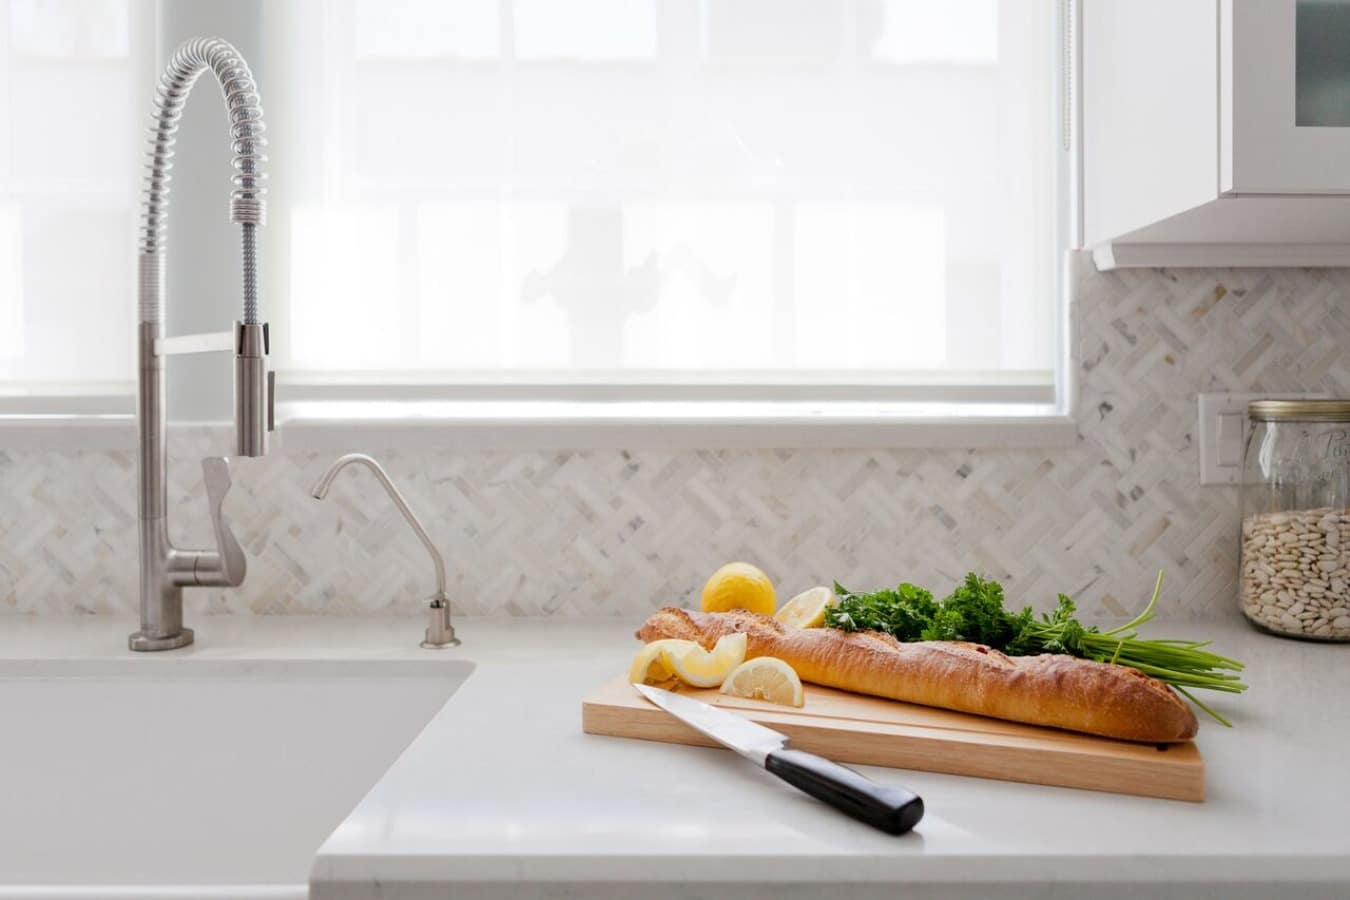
<point x="1322" y="63"/>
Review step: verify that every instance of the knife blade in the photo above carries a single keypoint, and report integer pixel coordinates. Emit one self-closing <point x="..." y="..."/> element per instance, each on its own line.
<point x="891" y="808"/>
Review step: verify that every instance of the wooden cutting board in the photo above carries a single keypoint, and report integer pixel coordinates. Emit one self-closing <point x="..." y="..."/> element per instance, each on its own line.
<point x="870" y="731"/>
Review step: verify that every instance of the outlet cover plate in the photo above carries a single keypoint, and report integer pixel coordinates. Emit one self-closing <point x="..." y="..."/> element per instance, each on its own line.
<point x="1223" y="433"/>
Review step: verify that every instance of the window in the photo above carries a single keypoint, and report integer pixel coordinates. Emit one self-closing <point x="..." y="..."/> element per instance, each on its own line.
<point x="70" y="129"/>
<point x="835" y="198"/>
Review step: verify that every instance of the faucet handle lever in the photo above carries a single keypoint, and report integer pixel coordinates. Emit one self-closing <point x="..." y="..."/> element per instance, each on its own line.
<point x="230" y="563"/>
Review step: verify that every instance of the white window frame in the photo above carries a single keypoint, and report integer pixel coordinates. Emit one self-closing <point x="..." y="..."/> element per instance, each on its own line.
<point x="415" y="410"/>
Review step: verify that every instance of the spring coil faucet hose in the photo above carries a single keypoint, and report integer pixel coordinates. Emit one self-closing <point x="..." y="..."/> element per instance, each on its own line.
<point x="247" y="143"/>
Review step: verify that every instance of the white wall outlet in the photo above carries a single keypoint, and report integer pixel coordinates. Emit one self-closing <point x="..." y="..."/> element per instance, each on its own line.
<point x="1223" y="433"/>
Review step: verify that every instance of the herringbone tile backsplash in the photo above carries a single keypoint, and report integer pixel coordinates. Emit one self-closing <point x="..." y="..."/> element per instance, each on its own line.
<point x="616" y="533"/>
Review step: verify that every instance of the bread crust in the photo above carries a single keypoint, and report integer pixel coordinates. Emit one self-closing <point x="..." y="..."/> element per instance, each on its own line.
<point x="1056" y="690"/>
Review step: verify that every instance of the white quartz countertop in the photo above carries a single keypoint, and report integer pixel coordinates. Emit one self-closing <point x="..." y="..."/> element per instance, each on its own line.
<point x="503" y="786"/>
<point x="502" y="791"/>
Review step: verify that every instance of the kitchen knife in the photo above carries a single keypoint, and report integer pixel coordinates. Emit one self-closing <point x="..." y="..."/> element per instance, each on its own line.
<point x="892" y="809"/>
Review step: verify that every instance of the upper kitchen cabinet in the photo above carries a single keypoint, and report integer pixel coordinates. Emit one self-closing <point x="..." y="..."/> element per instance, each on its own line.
<point x="1216" y="132"/>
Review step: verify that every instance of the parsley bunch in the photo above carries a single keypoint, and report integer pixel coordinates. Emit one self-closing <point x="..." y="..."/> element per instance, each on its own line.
<point x="975" y="612"/>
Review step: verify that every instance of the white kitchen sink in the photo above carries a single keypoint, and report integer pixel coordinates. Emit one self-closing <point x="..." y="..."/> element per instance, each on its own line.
<point x="188" y="777"/>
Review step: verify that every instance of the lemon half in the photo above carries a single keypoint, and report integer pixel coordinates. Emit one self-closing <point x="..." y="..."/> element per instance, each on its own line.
<point x="709" y="668"/>
<point x="807" y="609"/>
<point x="766" y="678"/>
<point x="651" y="665"/>
<point x="739" y="585"/>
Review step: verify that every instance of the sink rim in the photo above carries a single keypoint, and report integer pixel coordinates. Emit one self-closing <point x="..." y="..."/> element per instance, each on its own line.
<point x="174" y="668"/>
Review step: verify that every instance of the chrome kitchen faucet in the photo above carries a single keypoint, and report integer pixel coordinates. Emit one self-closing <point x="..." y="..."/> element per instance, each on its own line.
<point x="166" y="569"/>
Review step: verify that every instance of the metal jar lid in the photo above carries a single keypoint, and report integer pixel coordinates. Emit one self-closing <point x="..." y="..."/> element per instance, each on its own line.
<point x="1299" y="410"/>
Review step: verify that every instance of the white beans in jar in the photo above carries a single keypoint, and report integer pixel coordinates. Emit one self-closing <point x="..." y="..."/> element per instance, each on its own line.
<point x="1295" y="576"/>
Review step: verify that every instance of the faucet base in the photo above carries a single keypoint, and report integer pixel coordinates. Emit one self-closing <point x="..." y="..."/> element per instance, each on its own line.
<point x="145" y="642"/>
<point x="440" y="633"/>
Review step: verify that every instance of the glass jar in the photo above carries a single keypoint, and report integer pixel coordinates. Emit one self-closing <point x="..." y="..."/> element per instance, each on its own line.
<point x="1294" y="574"/>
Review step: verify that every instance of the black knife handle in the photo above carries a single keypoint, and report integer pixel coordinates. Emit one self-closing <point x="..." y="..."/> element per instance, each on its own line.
<point x="892" y="809"/>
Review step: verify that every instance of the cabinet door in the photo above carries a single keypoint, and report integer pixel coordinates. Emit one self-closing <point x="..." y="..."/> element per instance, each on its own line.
<point x="1284" y="96"/>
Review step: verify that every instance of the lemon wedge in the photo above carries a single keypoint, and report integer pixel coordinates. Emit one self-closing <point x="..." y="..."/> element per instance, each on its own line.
<point x="807" y="609"/>
<point x="708" y="668"/>
<point x="739" y="585"/>
<point x="766" y="678"/>
<point x="651" y="665"/>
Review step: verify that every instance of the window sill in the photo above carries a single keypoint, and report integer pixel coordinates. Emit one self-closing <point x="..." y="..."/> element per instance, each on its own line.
<point x="524" y="425"/>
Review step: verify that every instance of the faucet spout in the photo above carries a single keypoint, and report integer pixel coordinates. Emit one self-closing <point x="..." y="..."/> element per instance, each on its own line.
<point x="320" y="491"/>
<point x="440" y="633"/>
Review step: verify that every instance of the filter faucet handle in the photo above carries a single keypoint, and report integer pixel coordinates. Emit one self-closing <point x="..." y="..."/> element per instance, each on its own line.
<point x="440" y="633"/>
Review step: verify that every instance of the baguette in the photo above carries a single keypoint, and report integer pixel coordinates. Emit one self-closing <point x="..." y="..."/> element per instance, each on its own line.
<point x="1055" y="690"/>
